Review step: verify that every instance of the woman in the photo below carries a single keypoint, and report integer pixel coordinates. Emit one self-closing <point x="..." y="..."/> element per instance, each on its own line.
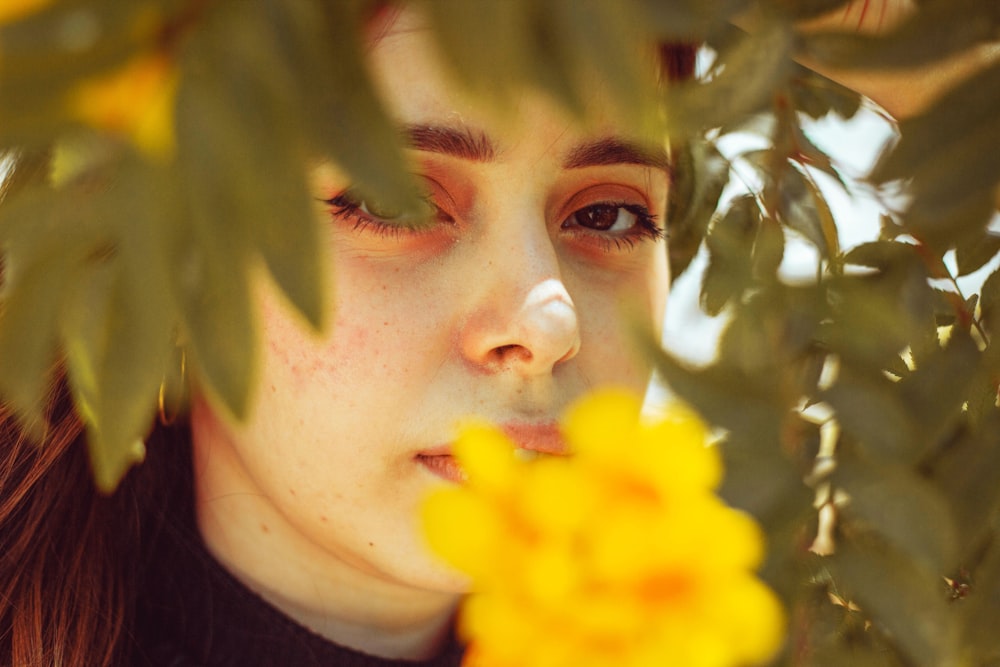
<point x="293" y="538"/>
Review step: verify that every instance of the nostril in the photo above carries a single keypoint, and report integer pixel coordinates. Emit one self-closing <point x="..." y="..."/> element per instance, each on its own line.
<point x="504" y="354"/>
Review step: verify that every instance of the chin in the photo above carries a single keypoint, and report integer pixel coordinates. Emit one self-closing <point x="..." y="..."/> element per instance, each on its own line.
<point x="433" y="575"/>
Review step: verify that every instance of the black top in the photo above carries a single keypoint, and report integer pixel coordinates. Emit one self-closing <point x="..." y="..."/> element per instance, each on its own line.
<point x="196" y="614"/>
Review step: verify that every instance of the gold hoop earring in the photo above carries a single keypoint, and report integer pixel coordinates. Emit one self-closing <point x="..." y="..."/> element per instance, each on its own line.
<point x="161" y="399"/>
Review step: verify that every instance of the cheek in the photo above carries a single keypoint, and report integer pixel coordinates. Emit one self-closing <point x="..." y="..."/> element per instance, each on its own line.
<point x="609" y="309"/>
<point x="385" y="324"/>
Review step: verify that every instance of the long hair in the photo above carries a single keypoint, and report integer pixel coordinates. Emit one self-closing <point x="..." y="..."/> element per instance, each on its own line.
<point x="70" y="558"/>
<point x="63" y="548"/>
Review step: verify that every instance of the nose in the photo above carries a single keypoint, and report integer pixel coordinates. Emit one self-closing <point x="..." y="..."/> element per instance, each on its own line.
<point x="526" y="321"/>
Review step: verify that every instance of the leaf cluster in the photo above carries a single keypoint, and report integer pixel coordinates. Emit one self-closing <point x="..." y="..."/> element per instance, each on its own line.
<point x="870" y="393"/>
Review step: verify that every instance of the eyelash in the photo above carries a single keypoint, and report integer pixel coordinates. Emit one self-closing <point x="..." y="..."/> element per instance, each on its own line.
<point x="344" y="206"/>
<point x="645" y="229"/>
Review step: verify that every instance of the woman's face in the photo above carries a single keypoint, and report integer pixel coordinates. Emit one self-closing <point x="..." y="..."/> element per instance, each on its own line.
<point x="509" y="306"/>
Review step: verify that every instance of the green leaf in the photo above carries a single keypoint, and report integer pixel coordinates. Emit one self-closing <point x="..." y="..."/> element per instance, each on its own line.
<point x="904" y="602"/>
<point x="966" y="474"/>
<point x="940" y="28"/>
<point x="487" y="44"/>
<point x="768" y="250"/>
<point x="754" y="69"/>
<point x="118" y="327"/>
<point x="948" y="307"/>
<point x="936" y="391"/>
<point x="974" y="251"/>
<point x="868" y="406"/>
<point x="989" y="303"/>
<point x="868" y="323"/>
<point x="691" y="19"/>
<point x="730" y="243"/>
<point x="904" y="510"/>
<point x="804" y="209"/>
<point x="779" y="505"/>
<point x="48" y="53"/>
<point x="348" y="113"/>
<point x="980" y="610"/>
<point x="816" y="95"/>
<point x="700" y="174"/>
<point x="879" y="254"/>
<point x="114" y="368"/>
<point x="253" y="95"/>
<point x="724" y="397"/>
<point x="28" y="323"/>
<point x="982" y="395"/>
<point x="942" y="152"/>
<point x="624" y="72"/>
<point x="210" y="247"/>
<point x="45" y="238"/>
<point x="809" y="154"/>
<point x="805" y="9"/>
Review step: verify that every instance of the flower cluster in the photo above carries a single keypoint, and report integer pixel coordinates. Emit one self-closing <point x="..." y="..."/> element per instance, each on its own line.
<point x="619" y="554"/>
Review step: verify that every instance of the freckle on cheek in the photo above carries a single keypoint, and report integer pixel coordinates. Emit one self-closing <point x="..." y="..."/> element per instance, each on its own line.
<point x="264" y="528"/>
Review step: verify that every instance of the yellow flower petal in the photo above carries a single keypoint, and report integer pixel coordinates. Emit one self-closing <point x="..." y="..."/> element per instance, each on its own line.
<point x="12" y="10"/>
<point x="601" y="424"/>
<point x="486" y="455"/>
<point x="555" y="497"/>
<point x="619" y="554"/>
<point x="551" y="574"/>
<point x="676" y="453"/>
<point x="461" y="528"/>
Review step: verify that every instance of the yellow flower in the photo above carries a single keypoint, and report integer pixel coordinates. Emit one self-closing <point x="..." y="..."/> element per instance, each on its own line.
<point x="12" y="10"/>
<point x="620" y="554"/>
<point x="136" y="101"/>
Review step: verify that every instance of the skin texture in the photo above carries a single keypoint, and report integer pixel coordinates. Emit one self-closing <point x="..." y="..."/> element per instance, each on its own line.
<point x="505" y="308"/>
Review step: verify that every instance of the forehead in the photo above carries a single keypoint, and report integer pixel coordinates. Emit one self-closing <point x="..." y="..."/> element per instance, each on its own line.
<point x="421" y="92"/>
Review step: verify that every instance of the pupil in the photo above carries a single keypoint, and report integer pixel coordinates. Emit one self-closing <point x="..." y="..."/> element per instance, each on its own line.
<point x="601" y="217"/>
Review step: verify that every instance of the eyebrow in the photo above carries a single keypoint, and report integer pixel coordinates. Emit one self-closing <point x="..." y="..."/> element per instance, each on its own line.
<point x="475" y="145"/>
<point x="459" y="142"/>
<point x="615" y="151"/>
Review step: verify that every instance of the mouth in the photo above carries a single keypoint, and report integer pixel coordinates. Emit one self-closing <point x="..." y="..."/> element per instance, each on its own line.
<point x="532" y="441"/>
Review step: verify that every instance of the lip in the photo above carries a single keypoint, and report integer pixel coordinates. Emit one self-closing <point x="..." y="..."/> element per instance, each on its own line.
<point x="544" y="438"/>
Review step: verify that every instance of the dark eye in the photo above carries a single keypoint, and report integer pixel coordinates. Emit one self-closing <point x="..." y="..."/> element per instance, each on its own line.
<point x="604" y="217"/>
<point x="615" y="225"/>
<point x="615" y="217"/>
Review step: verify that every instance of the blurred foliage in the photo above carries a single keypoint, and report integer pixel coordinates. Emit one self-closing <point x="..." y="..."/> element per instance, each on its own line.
<point x="158" y="152"/>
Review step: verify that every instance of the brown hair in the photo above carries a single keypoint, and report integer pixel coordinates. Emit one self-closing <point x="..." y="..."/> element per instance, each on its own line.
<point x="63" y="599"/>
<point x="71" y="559"/>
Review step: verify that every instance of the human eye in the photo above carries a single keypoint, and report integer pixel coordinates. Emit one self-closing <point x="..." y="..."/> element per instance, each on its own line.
<point x="370" y="215"/>
<point x="615" y="225"/>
